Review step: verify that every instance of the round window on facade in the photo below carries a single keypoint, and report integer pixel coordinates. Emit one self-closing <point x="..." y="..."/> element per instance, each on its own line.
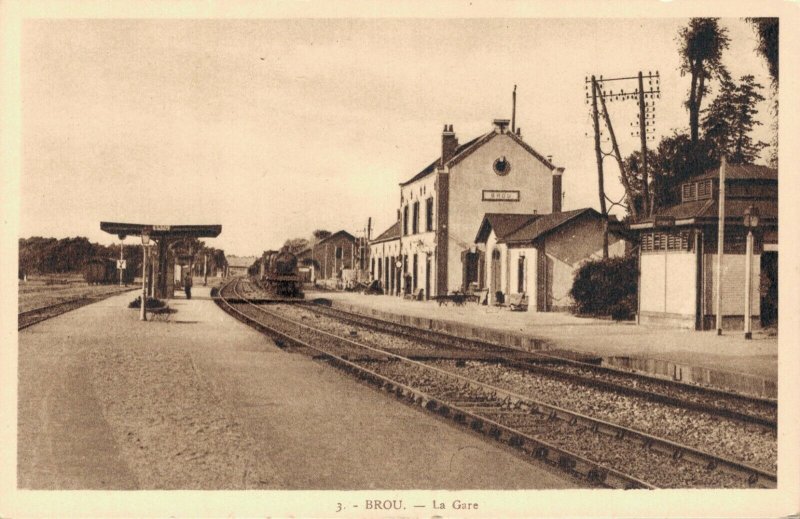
<point x="502" y="166"/>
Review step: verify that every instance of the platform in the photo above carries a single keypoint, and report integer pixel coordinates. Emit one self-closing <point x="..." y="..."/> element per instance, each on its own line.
<point x="201" y="401"/>
<point x="730" y="360"/>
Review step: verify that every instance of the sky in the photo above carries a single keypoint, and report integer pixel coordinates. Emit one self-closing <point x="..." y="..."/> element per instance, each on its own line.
<point x="275" y="128"/>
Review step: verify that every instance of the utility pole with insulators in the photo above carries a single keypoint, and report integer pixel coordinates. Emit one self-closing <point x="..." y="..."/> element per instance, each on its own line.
<point x="643" y="135"/>
<point x="646" y="130"/>
<point x="599" y="156"/>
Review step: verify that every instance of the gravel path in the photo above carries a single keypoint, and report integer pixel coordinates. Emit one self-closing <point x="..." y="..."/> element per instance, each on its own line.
<point x="204" y="402"/>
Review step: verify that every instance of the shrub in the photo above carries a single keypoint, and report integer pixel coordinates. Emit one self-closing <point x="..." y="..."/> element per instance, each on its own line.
<point x="151" y="303"/>
<point x="606" y="287"/>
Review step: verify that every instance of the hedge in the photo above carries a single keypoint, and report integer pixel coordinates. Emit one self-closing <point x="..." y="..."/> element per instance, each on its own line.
<point x="606" y="287"/>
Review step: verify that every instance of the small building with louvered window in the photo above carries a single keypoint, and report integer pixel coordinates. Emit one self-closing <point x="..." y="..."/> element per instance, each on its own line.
<point x="678" y="253"/>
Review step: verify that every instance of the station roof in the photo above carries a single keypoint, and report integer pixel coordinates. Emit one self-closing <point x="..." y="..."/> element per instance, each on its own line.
<point x="465" y="150"/>
<point x="392" y="233"/>
<point x="157" y="231"/>
<point x="503" y="224"/>
<point x="707" y="212"/>
<point x="524" y="228"/>
<point x="742" y="172"/>
<point x="546" y="223"/>
<point x="337" y="234"/>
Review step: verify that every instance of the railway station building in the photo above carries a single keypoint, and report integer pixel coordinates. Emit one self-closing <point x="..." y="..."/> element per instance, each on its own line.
<point x="442" y="205"/>
<point x="678" y="262"/>
<point x="334" y="254"/>
<point x="384" y="253"/>
<point x="537" y="255"/>
<point x="238" y="265"/>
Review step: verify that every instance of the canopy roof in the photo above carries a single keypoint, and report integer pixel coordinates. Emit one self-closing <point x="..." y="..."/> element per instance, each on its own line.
<point x="158" y="231"/>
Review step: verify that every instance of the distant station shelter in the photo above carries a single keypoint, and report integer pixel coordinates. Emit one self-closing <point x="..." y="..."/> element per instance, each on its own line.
<point x="173" y="252"/>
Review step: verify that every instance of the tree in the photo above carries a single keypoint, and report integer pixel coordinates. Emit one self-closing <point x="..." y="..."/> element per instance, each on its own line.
<point x="702" y="42"/>
<point x="320" y="235"/>
<point x="673" y="161"/>
<point x="730" y="119"/>
<point x="296" y="245"/>
<point x="767" y="33"/>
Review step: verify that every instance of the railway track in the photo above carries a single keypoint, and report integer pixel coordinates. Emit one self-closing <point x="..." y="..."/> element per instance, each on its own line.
<point x="43" y="313"/>
<point x="748" y="409"/>
<point x="600" y="452"/>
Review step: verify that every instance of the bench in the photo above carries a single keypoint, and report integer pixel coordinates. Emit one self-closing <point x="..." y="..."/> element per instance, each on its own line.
<point x="417" y="295"/>
<point x="457" y="298"/>
<point x="160" y="314"/>
<point x="518" y="302"/>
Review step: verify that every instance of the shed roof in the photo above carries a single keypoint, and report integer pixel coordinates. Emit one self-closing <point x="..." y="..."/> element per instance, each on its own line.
<point x="392" y="233"/>
<point x="521" y="228"/>
<point x="742" y="172"/>
<point x="546" y="223"/>
<point x="337" y="234"/>
<point x="156" y="231"/>
<point x="502" y="224"/>
<point x="734" y="208"/>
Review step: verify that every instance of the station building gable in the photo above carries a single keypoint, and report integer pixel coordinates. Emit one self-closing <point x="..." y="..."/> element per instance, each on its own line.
<point x="443" y="204"/>
<point x="337" y="252"/>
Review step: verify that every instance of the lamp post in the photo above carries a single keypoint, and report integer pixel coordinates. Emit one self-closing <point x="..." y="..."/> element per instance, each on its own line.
<point x="121" y="257"/>
<point x="143" y="306"/>
<point x="750" y="222"/>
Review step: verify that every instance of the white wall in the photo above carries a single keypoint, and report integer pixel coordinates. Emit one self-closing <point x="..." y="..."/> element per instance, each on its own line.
<point x="668" y="282"/>
<point x="423" y="242"/>
<point x="732" y="297"/>
<point x="474" y="174"/>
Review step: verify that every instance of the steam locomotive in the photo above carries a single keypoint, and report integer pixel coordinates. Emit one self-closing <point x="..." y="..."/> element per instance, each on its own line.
<point x="281" y="274"/>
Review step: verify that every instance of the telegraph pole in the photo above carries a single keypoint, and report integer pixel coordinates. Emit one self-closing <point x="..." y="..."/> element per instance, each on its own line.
<point x="720" y="246"/>
<point x="599" y="156"/>
<point x="643" y="136"/>
<point x="646" y="116"/>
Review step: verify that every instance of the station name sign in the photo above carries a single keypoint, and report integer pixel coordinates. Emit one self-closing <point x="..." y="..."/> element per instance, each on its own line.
<point x="161" y="227"/>
<point x="495" y="195"/>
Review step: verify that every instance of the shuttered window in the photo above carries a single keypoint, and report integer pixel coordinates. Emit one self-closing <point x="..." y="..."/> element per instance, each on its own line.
<point x="704" y="189"/>
<point x="668" y="241"/>
<point x="701" y="190"/>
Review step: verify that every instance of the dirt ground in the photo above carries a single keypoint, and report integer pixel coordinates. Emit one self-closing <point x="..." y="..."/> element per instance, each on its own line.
<point x="203" y="402"/>
<point x="39" y="291"/>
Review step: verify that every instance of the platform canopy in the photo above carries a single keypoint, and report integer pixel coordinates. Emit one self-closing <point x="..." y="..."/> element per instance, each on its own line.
<point x="160" y="231"/>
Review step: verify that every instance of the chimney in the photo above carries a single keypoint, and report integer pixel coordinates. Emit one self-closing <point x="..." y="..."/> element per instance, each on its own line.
<point x="500" y="125"/>
<point x="557" y="173"/>
<point x="449" y="144"/>
<point x="519" y="132"/>
<point x="514" y="111"/>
